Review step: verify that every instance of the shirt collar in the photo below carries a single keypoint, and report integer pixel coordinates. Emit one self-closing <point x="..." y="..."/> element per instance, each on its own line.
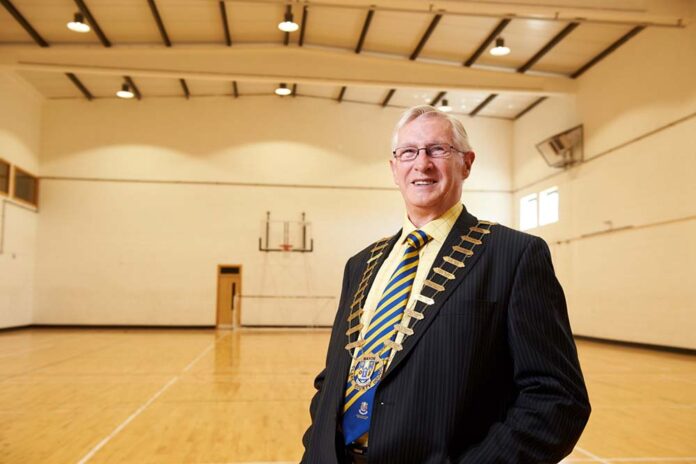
<point x="438" y="229"/>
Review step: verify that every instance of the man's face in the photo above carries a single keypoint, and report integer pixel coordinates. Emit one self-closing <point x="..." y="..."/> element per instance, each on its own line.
<point x="430" y="186"/>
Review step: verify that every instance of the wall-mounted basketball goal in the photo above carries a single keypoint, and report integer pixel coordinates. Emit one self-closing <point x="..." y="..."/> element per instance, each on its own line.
<point x="286" y="235"/>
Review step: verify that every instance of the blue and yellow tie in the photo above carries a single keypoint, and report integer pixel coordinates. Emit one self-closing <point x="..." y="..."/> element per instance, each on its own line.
<point x="375" y="353"/>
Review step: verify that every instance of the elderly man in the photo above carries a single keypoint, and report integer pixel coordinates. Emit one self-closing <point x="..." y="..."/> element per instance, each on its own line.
<point x="452" y="342"/>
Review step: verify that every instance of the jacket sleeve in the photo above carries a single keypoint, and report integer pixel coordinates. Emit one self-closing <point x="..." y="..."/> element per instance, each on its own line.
<point x="551" y="407"/>
<point x="336" y="337"/>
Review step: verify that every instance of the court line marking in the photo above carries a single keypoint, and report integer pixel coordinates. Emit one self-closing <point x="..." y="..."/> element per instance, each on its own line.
<point x="123" y="424"/>
<point x="142" y="408"/>
<point x="593" y="456"/>
<point x="653" y="459"/>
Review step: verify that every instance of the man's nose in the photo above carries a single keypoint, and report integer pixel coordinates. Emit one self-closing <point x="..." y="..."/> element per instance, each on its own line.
<point x="422" y="160"/>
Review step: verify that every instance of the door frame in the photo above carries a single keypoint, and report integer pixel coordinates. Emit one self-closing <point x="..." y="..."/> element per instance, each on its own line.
<point x="236" y="317"/>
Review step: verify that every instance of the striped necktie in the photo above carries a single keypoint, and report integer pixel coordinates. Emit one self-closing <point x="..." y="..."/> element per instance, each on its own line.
<point x="374" y="354"/>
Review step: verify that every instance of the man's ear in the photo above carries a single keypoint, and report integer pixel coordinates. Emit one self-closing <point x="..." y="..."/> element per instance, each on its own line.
<point x="469" y="158"/>
<point x="392" y="164"/>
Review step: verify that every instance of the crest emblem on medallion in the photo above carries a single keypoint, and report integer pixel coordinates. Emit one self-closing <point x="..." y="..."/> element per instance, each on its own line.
<point x="363" y="408"/>
<point x="367" y="371"/>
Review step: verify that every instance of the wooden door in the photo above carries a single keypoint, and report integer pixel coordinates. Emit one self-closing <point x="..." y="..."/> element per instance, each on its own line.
<point x="229" y="296"/>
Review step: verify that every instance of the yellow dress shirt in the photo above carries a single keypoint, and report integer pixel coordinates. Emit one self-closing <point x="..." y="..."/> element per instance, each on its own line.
<point x="438" y="230"/>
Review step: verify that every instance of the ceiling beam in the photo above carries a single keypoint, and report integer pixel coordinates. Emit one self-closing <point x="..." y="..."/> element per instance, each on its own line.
<point x="659" y="13"/>
<point x="303" y="26"/>
<point x="225" y="23"/>
<point x="437" y="98"/>
<point x="428" y="32"/>
<point x="73" y="78"/>
<point x="547" y="48"/>
<point x="487" y="41"/>
<point x="365" y="28"/>
<point x="286" y="36"/>
<point x="389" y="96"/>
<point x="483" y="104"/>
<point x="160" y="23"/>
<point x="185" y="88"/>
<point x="294" y="90"/>
<point x="610" y="49"/>
<point x="133" y="87"/>
<point x="235" y="90"/>
<point x="341" y="94"/>
<point x="303" y="65"/>
<point x="24" y="23"/>
<point x="529" y="108"/>
<point x="93" y="22"/>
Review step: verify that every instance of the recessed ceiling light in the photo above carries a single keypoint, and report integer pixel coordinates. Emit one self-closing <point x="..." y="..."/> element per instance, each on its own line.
<point x="283" y="90"/>
<point x="288" y="25"/>
<point x="500" y="49"/>
<point x="78" y="24"/>
<point x="125" y="92"/>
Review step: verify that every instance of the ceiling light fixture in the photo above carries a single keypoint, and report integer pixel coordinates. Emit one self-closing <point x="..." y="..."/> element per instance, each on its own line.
<point x="283" y="90"/>
<point x="500" y="49"/>
<point x="445" y="106"/>
<point x="125" y="92"/>
<point x="78" y="24"/>
<point x="288" y="25"/>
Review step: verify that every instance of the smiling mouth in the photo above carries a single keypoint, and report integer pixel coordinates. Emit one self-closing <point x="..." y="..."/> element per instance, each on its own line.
<point x="423" y="182"/>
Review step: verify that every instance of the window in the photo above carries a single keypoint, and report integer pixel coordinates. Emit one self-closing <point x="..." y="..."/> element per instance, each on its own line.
<point x="539" y="209"/>
<point x="528" y="211"/>
<point x="4" y="177"/>
<point x="548" y="206"/>
<point x="26" y="187"/>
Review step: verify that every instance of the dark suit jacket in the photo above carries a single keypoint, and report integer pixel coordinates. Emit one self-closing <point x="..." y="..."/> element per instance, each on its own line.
<point x="491" y="374"/>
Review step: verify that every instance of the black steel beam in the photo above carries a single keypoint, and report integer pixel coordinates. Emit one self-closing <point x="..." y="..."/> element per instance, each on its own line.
<point x="73" y="78"/>
<point x="294" y="90"/>
<point x="133" y="87"/>
<point x="93" y="22"/>
<point x="24" y="23"/>
<point x="225" y="24"/>
<point x="303" y="26"/>
<point x="389" y="96"/>
<point x="483" y="104"/>
<point x="547" y="48"/>
<point x="160" y="24"/>
<point x="529" y="108"/>
<point x="484" y="45"/>
<point x="426" y="36"/>
<point x="610" y="49"/>
<point x="235" y="90"/>
<point x="286" y="37"/>
<point x="363" y="34"/>
<point x="341" y="94"/>
<point x="437" y="98"/>
<point x="185" y="88"/>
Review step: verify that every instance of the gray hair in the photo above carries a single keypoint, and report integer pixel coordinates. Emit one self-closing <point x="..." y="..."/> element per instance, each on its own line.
<point x="459" y="135"/>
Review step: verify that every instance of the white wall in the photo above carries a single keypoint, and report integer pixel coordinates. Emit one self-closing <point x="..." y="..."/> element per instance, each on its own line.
<point x="120" y="249"/>
<point x="638" y="108"/>
<point x="20" y="117"/>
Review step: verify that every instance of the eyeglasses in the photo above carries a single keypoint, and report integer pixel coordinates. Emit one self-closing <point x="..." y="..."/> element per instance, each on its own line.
<point x="434" y="150"/>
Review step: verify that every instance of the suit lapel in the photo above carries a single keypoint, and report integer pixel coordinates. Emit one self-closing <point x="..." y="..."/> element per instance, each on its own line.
<point x="430" y="312"/>
<point x="355" y="293"/>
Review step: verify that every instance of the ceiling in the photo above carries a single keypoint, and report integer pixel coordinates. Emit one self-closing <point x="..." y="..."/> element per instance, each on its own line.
<point x="389" y="53"/>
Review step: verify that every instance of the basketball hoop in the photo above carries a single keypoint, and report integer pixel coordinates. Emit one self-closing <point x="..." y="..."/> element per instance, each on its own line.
<point x="286" y="246"/>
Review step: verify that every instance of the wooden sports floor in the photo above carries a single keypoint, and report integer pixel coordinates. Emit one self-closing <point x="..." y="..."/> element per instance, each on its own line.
<point x="206" y="396"/>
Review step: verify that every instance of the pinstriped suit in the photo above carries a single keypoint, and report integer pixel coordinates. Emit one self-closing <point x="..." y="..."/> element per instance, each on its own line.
<point x="490" y="375"/>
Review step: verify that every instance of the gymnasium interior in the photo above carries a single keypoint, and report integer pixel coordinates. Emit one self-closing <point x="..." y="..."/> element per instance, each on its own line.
<point x="182" y="182"/>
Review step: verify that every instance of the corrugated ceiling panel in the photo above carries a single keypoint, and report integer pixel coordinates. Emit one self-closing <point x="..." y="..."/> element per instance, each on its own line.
<point x="457" y="37"/>
<point x="524" y="38"/>
<point x="396" y="33"/>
